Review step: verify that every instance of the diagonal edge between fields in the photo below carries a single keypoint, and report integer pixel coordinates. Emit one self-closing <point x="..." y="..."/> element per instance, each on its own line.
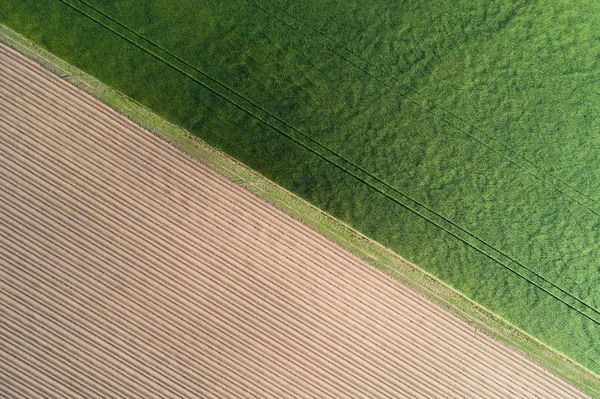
<point x="381" y="257"/>
<point x="359" y="173"/>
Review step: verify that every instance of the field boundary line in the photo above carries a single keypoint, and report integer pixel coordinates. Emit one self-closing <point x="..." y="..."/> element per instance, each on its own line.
<point x="419" y="280"/>
<point x="414" y="203"/>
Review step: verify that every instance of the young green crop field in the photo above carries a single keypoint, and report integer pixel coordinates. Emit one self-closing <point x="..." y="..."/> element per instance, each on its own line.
<point x="462" y="135"/>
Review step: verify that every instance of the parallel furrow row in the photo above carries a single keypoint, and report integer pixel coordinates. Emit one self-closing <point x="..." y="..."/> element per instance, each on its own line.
<point x="138" y="143"/>
<point x="29" y="211"/>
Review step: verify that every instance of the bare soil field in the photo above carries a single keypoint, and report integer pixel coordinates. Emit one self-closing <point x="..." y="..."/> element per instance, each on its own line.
<point x="129" y="269"/>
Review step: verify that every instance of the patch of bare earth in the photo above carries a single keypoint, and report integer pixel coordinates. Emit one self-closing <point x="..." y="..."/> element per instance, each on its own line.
<point x="130" y="270"/>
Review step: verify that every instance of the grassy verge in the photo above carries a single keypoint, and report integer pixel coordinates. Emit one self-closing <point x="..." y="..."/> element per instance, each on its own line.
<point x="376" y="254"/>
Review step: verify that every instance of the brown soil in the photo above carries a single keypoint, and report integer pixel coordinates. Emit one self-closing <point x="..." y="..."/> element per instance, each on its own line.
<point x="131" y="270"/>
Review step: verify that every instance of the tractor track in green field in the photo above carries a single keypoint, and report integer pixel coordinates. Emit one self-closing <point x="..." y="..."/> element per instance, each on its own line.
<point x="338" y="161"/>
<point x="486" y="140"/>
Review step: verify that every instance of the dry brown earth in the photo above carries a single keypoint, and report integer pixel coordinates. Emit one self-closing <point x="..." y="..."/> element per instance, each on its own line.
<point x="130" y="270"/>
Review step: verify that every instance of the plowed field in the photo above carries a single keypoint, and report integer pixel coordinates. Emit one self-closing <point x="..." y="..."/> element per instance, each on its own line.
<point x="131" y="270"/>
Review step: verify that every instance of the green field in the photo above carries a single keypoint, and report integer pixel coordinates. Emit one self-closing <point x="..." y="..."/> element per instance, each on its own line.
<point x="461" y="136"/>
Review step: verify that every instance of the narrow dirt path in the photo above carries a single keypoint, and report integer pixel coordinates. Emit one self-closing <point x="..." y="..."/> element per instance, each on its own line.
<point x="131" y="270"/>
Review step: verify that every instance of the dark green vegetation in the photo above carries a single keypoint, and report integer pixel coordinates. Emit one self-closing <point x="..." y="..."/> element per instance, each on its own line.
<point x="462" y="137"/>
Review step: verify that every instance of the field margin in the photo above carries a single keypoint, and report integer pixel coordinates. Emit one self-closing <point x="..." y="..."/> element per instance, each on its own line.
<point x="382" y="258"/>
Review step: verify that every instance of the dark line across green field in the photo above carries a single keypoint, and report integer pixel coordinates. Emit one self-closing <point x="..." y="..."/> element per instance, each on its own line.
<point x="404" y="120"/>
